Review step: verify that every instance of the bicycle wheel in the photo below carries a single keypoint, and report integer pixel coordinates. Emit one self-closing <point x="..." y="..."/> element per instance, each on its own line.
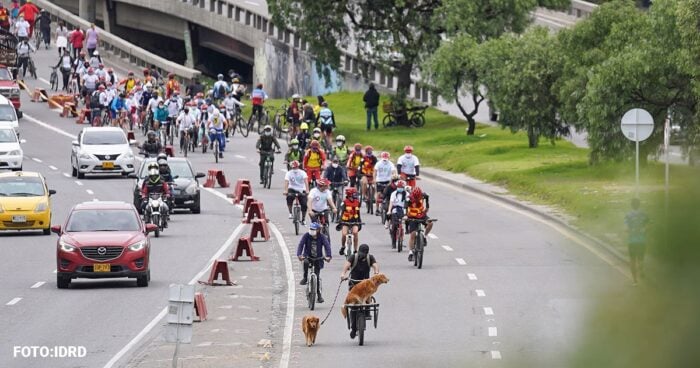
<point x="387" y="121"/>
<point x="54" y="80"/>
<point x="360" y="324"/>
<point x="268" y="181"/>
<point x="186" y="145"/>
<point x="418" y="120"/>
<point x="312" y="290"/>
<point x="419" y="251"/>
<point x="216" y="151"/>
<point x="399" y="240"/>
<point x="297" y="219"/>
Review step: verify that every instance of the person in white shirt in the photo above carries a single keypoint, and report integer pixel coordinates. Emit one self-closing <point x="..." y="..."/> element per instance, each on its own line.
<point x="95" y="60"/>
<point x="101" y="72"/>
<point x="296" y="185"/>
<point x="408" y="166"/>
<point x="215" y="126"/>
<point x="231" y="105"/>
<point x="184" y="122"/>
<point x="397" y="206"/>
<point x="383" y="171"/>
<point x="90" y="81"/>
<point x="22" y="28"/>
<point x="24" y="49"/>
<point x="320" y="200"/>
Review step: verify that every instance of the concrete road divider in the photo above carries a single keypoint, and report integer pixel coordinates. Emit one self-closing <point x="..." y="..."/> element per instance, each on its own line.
<point x="200" y="307"/>
<point x="259" y="228"/>
<point x="246" y="205"/>
<point x="219" y="268"/>
<point x="255" y="211"/>
<point x="245" y="245"/>
<point x="240" y="191"/>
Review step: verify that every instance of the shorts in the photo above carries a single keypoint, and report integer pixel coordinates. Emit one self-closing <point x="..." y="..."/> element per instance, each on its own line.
<point x="637" y="250"/>
<point x="327" y="128"/>
<point x="413" y="225"/>
<point x="350" y="224"/>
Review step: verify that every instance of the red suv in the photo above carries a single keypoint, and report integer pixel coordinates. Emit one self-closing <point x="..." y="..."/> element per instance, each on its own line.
<point x="103" y="240"/>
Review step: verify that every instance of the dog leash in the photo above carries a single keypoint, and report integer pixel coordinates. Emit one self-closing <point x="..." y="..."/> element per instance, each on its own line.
<point x="334" y="300"/>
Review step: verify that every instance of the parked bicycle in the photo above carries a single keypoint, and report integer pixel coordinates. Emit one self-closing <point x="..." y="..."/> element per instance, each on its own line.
<point x="409" y="116"/>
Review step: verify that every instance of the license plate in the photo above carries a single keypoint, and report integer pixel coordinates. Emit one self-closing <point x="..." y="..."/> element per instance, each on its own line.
<point x="101" y="267"/>
<point x="19" y="218"/>
<point x="108" y="165"/>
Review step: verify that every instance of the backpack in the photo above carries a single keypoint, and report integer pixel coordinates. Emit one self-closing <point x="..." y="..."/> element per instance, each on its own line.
<point x="356" y="260"/>
<point x="95" y="99"/>
<point x="221" y="91"/>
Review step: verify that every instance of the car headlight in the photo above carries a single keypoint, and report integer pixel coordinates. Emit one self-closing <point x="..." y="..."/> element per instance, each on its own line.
<point x="65" y="246"/>
<point x="15" y="153"/>
<point x="41" y="207"/>
<point x="15" y="91"/>
<point x="137" y="246"/>
<point x="86" y="156"/>
<point x="192" y="189"/>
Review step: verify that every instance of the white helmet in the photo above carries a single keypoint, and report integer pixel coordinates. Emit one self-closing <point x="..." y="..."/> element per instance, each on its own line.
<point x="149" y="85"/>
<point x="96" y="53"/>
<point x="340" y="138"/>
<point x="296" y="96"/>
<point x="216" y="112"/>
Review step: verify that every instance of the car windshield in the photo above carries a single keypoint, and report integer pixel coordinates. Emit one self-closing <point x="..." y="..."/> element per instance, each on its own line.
<point x="7" y="136"/>
<point x="103" y="220"/>
<point x="21" y="186"/>
<point x="181" y="169"/>
<point x="104" y="137"/>
<point x="7" y="113"/>
<point x="5" y="74"/>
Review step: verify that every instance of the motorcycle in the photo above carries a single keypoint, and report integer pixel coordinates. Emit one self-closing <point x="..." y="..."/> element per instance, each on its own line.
<point x="153" y="213"/>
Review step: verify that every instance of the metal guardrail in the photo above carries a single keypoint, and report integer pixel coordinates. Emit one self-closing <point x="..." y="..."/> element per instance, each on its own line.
<point x="120" y="48"/>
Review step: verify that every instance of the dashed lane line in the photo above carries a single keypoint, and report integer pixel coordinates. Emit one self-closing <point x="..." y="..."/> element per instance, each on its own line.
<point x="488" y="311"/>
<point x="44" y="80"/>
<point x="495" y="354"/>
<point x="239" y="156"/>
<point x="90" y="192"/>
<point x="38" y="285"/>
<point x="461" y="261"/>
<point x="79" y="183"/>
<point x="36" y="160"/>
<point x="493" y="331"/>
<point x="53" y="167"/>
<point x="480" y="293"/>
<point x="13" y="301"/>
<point x="471" y="276"/>
<point x="67" y="175"/>
<point x="432" y="236"/>
<point x="447" y="248"/>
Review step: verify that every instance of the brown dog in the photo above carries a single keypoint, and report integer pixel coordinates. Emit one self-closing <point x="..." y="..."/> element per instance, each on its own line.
<point x="310" y="325"/>
<point x="362" y="292"/>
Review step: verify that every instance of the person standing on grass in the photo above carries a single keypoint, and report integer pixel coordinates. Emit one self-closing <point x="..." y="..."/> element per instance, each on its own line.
<point x="636" y="222"/>
<point x="371" y="99"/>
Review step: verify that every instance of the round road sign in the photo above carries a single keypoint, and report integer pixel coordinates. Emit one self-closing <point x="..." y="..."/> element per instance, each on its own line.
<point x="637" y="125"/>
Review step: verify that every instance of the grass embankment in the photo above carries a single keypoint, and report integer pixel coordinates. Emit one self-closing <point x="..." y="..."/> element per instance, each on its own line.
<point x="596" y="197"/>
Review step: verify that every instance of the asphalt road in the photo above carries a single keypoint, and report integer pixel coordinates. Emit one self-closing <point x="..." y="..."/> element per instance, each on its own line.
<point x="498" y="287"/>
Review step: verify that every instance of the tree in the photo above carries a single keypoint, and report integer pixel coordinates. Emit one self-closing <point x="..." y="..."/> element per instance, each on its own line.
<point x="394" y="35"/>
<point x="519" y="73"/>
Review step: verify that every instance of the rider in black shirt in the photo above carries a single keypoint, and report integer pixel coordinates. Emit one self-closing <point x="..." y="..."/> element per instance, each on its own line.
<point x="358" y="265"/>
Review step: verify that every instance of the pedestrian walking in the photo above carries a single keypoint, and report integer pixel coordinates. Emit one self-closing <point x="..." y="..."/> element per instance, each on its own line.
<point x="45" y="27"/>
<point x="76" y="39"/>
<point x="4" y="18"/>
<point x="636" y="222"/>
<point x="22" y="28"/>
<point x="61" y="38"/>
<point x="29" y="11"/>
<point x="92" y="38"/>
<point x="65" y="63"/>
<point x="371" y="99"/>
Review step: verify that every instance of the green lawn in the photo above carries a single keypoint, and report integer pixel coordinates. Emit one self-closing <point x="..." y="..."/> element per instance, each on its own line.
<point x="596" y="197"/>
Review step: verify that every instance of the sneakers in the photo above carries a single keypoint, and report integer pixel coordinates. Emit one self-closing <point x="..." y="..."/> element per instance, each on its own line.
<point x="342" y="251"/>
<point x="211" y="146"/>
<point x="410" y="257"/>
<point x="221" y="155"/>
<point x="319" y="299"/>
<point x="353" y="333"/>
<point x="303" y="222"/>
<point x="290" y="216"/>
<point x="303" y="281"/>
<point x="386" y="225"/>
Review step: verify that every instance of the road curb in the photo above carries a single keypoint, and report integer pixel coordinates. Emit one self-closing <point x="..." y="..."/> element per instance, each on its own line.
<point x="520" y="205"/>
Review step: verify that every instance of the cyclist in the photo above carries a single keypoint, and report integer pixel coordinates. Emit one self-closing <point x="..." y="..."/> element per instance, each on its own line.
<point x="388" y="191"/>
<point x="146" y="96"/>
<point x="89" y="82"/>
<point x="220" y="88"/>
<point x="237" y="89"/>
<point x="353" y="164"/>
<point x="397" y="206"/>
<point x="312" y="245"/>
<point x="408" y="166"/>
<point x="155" y="184"/>
<point x="307" y="112"/>
<point x="326" y="122"/>
<point x="320" y="201"/>
<point x="295" y="185"/>
<point x="303" y="137"/>
<point x="316" y="136"/>
<point x="294" y="154"/>
<point x="358" y="265"/>
<point x="160" y="116"/>
<point x="314" y="160"/>
<point x="337" y="176"/>
<point x="24" y="49"/>
<point x="215" y="127"/>
<point x="367" y="169"/>
<point x="185" y="123"/>
<point x="129" y="82"/>
<point x="172" y="85"/>
<point x="258" y="97"/>
<point x="265" y="148"/>
<point x="340" y="150"/>
<point x="383" y="171"/>
<point x="115" y="107"/>
<point x="417" y="209"/>
<point x="174" y="104"/>
<point x="232" y="106"/>
<point x="350" y="217"/>
<point x="294" y="113"/>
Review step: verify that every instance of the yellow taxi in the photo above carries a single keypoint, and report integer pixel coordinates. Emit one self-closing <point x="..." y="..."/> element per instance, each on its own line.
<point x="25" y="202"/>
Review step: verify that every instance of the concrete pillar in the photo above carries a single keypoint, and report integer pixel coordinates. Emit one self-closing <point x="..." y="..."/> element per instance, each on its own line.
<point x="108" y="15"/>
<point x="86" y="10"/>
<point x="187" y="37"/>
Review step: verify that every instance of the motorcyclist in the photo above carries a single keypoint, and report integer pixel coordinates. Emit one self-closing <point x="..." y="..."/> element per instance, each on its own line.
<point x="155" y="184"/>
<point x="163" y="168"/>
<point x="152" y="146"/>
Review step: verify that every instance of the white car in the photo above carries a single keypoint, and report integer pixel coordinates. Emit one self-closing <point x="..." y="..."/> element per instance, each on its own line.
<point x="10" y="152"/>
<point x="101" y="150"/>
<point x="8" y="115"/>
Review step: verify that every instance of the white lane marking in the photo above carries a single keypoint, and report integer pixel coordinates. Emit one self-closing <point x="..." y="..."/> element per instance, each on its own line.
<point x="432" y="236"/>
<point x="204" y="344"/>
<point x="488" y="311"/>
<point x="67" y="175"/>
<point x="493" y="331"/>
<point x="50" y="127"/>
<point x="44" y="80"/>
<point x="38" y="284"/>
<point x="95" y="200"/>
<point x="239" y="156"/>
<point x="164" y="311"/>
<point x="13" y="301"/>
<point x="495" y="354"/>
<point x="90" y="192"/>
<point x="447" y="248"/>
<point x="218" y="194"/>
<point x="472" y="276"/>
<point x="36" y="159"/>
<point x="287" y="341"/>
<point x="480" y="293"/>
<point x="79" y="183"/>
<point x="461" y="261"/>
<point x="53" y="167"/>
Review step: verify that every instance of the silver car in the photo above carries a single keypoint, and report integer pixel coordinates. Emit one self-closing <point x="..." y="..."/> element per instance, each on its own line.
<point x="101" y="150"/>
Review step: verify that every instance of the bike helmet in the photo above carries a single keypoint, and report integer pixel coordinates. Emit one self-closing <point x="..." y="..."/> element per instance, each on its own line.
<point x="151" y="134"/>
<point x="149" y="85"/>
<point x="131" y="74"/>
<point x="408" y="149"/>
<point x="204" y="107"/>
<point x="267" y="128"/>
<point x="294" y="164"/>
<point x="235" y="80"/>
<point x="162" y="162"/>
<point x="401" y="184"/>
<point x="220" y="77"/>
<point x="162" y="156"/>
<point x="100" y="65"/>
<point x="324" y="104"/>
<point x="315" y="144"/>
<point x="171" y="75"/>
<point x="385" y="155"/>
<point x="340" y="138"/>
<point x="314" y="226"/>
<point x="304" y="126"/>
<point x="110" y="70"/>
<point x="317" y="130"/>
<point x="369" y="149"/>
<point x="296" y="96"/>
<point x="416" y="194"/>
<point x="358" y="147"/>
<point x="350" y="191"/>
<point x="91" y="70"/>
<point x="322" y="182"/>
<point x="294" y="142"/>
<point x="146" y="71"/>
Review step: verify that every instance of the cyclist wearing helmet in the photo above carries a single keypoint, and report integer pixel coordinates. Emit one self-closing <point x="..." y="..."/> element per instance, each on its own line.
<point x="151" y="147"/>
<point x="382" y="174"/>
<point x="313" y="245"/>
<point x="172" y="85"/>
<point x="353" y="164"/>
<point x="257" y="98"/>
<point x="397" y="206"/>
<point x="215" y="126"/>
<point x="350" y="217"/>
<point x="408" y="166"/>
<point x="295" y="185"/>
<point x="90" y="82"/>
<point x="237" y="89"/>
<point x="294" y="113"/>
<point x="388" y="191"/>
<point x="316" y="136"/>
<point x="326" y="121"/>
<point x="417" y="209"/>
<point x="129" y="82"/>
<point x="320" y="200"/>
<point x="340" y="150"/>
<point x="314" y="160"/>
<point x="267" y="146"/>
<point x="335" y="173"/>
<point x="303" y="137"/>
<point x="294" y="154"/>
<point x="367" y="168"/>
<point x="155" y="184"/>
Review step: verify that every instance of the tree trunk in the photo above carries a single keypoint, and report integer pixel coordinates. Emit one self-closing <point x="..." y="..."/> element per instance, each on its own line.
<point x="532" y="137"/>
<point x="471" y="123"/>
<point x="403" y="86"/>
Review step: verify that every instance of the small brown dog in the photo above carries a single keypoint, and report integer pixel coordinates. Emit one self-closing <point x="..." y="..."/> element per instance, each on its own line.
<point x="362" y="292"/>
<point x="310" y="326"/>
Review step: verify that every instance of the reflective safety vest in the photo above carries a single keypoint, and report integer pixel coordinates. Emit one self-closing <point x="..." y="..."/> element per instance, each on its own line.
<point x="314" y="160"/>
<point x="416" y="211"/>
<point x="368" y="165"/>
<point x="352" y="210"/>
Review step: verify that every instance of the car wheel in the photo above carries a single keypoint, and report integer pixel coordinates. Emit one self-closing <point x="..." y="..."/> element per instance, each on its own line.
<point x="62" y="282"/>
<point x="17" y="169"/>
<point x="196" y="209"/>
<point x="142" y="281"/>
<point x="46" y="231"/>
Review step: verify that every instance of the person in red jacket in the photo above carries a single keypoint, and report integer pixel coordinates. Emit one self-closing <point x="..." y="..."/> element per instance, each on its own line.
<point x="4" y="18"/>
<point x="76" y="39"/>
<point x="29" y="11"/>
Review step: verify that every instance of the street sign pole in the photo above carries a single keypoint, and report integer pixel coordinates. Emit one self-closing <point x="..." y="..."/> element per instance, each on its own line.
<point x="637" y="125"/>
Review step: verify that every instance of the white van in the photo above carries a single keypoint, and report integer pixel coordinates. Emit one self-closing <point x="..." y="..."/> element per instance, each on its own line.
<point x="8" y="115"/>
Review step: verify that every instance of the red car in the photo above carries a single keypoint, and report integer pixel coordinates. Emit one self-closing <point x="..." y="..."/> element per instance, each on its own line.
<point x="10" y="89"/>
<point x="103" y="240"/>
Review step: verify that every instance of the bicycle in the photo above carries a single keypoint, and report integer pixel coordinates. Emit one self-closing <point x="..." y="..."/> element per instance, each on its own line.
<point x="37" y="38"/>
<point x="396" y="231"/>
<point x="185" y="145"/>
<point x="267" y="170"/>
<point x="410" y="116"/>
<point x="215" y="144"/>
<point x="32" y="67"/>
<point x="349" y="238"/>
<point x="362" y="313"/>
<point x="313" y="285"/>
<point x="370" y="197"/>
<point x="53" y="80"/>
<point x="337" y="193"/>
<point x="74" y="86"/>
<point x="296" y="211"/>
<point x="420" y="241"/>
